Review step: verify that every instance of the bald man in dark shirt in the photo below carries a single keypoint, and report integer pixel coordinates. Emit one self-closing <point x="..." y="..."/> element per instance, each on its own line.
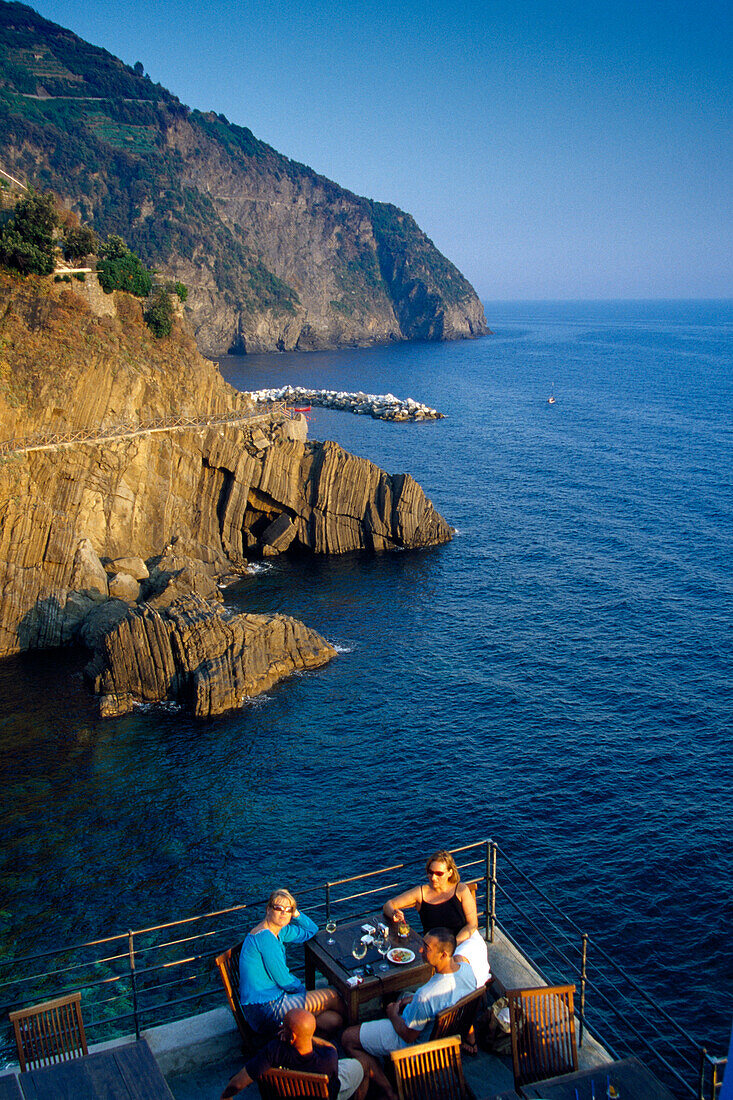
<point x="298" y="1048"/>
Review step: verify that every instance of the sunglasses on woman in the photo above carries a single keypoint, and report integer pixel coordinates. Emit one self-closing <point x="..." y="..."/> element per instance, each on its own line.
<point x="282" y="908"/>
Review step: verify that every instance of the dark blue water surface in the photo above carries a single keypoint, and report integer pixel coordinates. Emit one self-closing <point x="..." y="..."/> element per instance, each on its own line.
<point x="559" y="677"/>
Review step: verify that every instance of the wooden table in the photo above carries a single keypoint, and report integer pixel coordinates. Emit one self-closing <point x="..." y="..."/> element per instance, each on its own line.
<point x="632" y="1080"/>
<point x="9" y="1087"/>
<point x="324" y="957"/>
<point x="128" y="1072"/>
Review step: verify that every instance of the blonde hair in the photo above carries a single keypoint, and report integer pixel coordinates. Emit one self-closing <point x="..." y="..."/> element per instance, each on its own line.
<point x="454" y="875"/>
<point x="282" y="893"/>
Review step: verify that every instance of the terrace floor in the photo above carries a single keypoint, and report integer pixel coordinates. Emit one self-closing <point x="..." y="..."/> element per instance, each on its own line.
<point x="486" y="1074"/>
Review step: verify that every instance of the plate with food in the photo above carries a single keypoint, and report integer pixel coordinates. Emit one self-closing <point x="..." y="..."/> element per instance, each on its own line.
<point x="400" y="955"/>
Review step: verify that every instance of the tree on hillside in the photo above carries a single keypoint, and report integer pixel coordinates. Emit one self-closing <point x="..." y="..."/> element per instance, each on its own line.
<point x="26" y="240"/>
<point x="80" y="242"/>
<point x="120" y="269"/>
<point x="159" y="317"/>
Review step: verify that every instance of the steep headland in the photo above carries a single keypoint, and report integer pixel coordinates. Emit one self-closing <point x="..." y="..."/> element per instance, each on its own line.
<point x="275" y="256"/>
<point x="132" y="475"/>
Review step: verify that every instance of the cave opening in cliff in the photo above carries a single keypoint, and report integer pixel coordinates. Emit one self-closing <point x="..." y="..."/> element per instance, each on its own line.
<point x="259" y="524"/>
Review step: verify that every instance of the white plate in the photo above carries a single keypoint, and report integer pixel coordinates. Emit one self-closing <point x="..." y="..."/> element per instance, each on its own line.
<point x="401" y="956"/>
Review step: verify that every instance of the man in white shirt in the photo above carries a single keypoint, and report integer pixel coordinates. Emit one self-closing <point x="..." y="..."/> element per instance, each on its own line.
<point x="409" y="1019"/>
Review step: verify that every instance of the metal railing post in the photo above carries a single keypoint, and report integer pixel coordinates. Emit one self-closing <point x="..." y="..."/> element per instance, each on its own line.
<point x="583" y="979"/>
<point x="491" y="849"/>
<point x="715" y="1083"/>
<point x="701" y="1081"/>
<point x="133" y="982"/>
<point x="328" y="901"/>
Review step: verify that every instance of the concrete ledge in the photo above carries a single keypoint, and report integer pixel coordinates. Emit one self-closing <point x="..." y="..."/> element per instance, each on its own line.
<point x="196" y="1041"/>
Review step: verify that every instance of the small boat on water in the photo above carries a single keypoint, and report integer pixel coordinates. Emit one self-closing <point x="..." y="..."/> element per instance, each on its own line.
<point x="551" y="399"/>
<point x="301" y="409"/>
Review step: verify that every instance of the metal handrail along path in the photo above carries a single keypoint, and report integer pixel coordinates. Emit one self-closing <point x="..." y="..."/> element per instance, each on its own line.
<point x="43" y="441"/>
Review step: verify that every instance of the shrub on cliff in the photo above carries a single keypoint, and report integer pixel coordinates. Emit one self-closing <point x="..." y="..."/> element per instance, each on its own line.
<point x="120" y="269"/>
<point x="159" y="315"/>
<point x="26" y="240"/>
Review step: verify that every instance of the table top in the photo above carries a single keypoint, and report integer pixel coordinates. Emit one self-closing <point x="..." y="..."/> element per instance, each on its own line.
<point x="128" y="1072"/>
<point x="9" y="1087"/>
<point x="337" y="964"/>
<point x="631" y="1079"/>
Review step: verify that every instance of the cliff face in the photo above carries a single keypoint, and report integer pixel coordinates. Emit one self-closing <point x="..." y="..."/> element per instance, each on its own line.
<point x="217" y="493"/>
<point x="275" y="256"/>
<point x="78" y="358"/>
<point x="200" y="656"/>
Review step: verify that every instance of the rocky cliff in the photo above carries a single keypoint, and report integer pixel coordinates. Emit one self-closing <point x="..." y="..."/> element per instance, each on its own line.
<point x="275" y="256"/>
<point x="143" y="507"/>
<point x="198" y="655"/>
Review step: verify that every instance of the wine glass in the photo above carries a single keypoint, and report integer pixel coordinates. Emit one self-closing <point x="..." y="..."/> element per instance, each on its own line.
<point x="382" y="946"/>
<point x="330" y="928"/>
<point x="359" y="948"/>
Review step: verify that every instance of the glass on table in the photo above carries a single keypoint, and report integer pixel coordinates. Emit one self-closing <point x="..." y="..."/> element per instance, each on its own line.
<point x="359" y="947"/>
<point x="330" y="928"/>
<point x="382" y="945"/>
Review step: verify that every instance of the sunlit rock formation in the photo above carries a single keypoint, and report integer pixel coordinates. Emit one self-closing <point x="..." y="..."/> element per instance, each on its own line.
<point x="200" y="656"/>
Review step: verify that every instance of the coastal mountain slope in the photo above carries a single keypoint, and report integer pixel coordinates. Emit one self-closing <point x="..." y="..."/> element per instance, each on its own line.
<point x="275" y="256"/>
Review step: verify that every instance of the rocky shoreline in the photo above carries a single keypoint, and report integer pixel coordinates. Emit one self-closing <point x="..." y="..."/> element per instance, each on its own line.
<point x="200" y="655"/>
<point x="383" y="406"/>
<point x="119" y="542"/>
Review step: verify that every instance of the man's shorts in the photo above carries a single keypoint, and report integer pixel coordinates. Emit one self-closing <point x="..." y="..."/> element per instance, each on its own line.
<point x="379" y="1038"/>
<point x="351" y="1075"/>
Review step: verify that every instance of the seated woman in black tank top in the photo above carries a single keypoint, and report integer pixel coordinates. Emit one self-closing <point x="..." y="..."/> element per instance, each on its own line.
<point x="445" y="902"/>
<point x="448" y="914"/>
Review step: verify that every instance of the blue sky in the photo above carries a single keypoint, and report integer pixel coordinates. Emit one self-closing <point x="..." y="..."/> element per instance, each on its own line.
<point x="550" y="148"/>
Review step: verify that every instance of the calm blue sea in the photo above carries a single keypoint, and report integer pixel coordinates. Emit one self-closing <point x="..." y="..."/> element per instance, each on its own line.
<point x="559" y="677"/>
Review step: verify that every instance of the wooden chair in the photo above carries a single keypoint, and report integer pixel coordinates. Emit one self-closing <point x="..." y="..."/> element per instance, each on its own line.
<point x="228" y="966"/>
<point x="50" y="1032"/>
<point x="543" y="1033"/>
<point x="277" y="1083"/>
<point x="431" y="1071"/>
<point x="459" y="1018"/>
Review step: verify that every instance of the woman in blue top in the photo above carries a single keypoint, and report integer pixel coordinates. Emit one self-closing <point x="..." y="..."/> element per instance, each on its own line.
<point x="267" y="989"/>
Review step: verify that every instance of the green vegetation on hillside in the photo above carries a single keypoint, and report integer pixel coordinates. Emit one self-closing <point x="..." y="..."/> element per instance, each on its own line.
<point x="398" y="235"/>
<point x="134" y="162"/>
<point x="68" y="66"/>
<point x="120" y="269"/>
<point x="159" y="314"/>
<point x="26" y="239"/>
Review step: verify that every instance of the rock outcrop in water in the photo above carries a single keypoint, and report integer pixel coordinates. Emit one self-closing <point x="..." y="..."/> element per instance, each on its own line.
<point x="137" y="519"/>
<point x="199" y="656"/>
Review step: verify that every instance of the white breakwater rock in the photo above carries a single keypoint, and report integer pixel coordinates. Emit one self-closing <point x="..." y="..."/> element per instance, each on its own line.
<point x="383" y="406"/>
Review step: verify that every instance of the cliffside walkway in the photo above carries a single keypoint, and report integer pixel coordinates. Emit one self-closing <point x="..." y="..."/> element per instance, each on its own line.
<point x="52" y="440"/>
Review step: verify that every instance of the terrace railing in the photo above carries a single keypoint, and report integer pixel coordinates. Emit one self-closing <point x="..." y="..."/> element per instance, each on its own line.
<point x="141" y="978"/>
